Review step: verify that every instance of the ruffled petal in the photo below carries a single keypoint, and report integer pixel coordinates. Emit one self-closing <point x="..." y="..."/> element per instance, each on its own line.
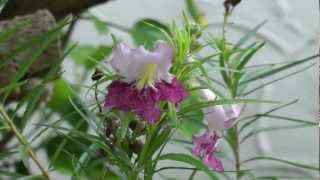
<point x="205" y="147"/>
<point x="150" y="114"/>
<point x="220" y="117"/>
<point x="232" y="113"/>
<point x="173" y="92"/>
<point x="213" y="162"/>
<point x="132" y="63"/>
<point x="145" y="103"/>
<point x="205" y="143"/>
<point x="163" y="53"/>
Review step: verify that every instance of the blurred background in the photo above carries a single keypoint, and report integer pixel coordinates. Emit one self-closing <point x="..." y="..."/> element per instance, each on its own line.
<point x="292" y="32"/>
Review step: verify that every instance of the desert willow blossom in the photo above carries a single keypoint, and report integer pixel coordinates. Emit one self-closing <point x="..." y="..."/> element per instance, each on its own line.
<point x="145" y="82"/>
<point x="218" y="118"/>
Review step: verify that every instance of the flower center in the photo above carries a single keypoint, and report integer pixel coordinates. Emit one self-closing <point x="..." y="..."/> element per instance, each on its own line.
<point x="148" y="76"/>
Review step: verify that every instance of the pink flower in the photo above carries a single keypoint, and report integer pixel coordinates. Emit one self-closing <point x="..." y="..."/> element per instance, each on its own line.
<point x="205" y="147"/>
<point x="146" y="81"/>
<point x="220" y="117"/>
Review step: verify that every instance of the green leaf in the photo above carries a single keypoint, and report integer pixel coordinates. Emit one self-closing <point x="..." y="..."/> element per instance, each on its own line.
<point x="126" y="118"/>
<point x="201" y="105"/>
<point x="250" y="34"/>
<point x="279" y="69"/>
<point x="59" y="100"/>
<point x="311" y="123"/>
<point x="196" y="13"/>
<point x="266" y="178"/>
<point x="89" y="56"/>
<point x="33" y="97"/>
<point x="62" y="161"/>
<point x="60" y="103"/>
<point x="265" y="158"/>
<point x="173" y="115"/>
<point x="190" y="160"/>
<point x="160" y="140"/>
<point x="246" y="58"/>
<point x="12" y="86"/>
<point x="31" y="177"/>
<point x="21" y="168"/>
<point x="258" y="116"/>
<point x="192" y="123"/>
<point x="249" y="54"/>
<point x="100" y="26"/>
<point x="10" y="174"/>
<point x="192" y="175"/>
<point x="276" y="80"/>
<point x="147" y="31"/>
<point x="274" y="128"/>
<point x="211" y="87"/>
<point x="231" y="138"/>
<point x="23" y="152"/>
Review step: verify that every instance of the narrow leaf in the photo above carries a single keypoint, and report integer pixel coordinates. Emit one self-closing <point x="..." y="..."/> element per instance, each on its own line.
<point x="189" y="160"/>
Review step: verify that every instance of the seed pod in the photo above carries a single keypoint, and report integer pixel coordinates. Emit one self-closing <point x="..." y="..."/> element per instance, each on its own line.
<point x="137" y="126"/>
<point x="136" y="146"/>
<point x="230" y="4"/>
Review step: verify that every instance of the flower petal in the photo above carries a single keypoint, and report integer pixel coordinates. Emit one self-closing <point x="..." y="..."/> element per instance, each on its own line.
<point x="163" y="53"/>
<point x="131" y="63"/>
<point x="220" y="117"/>
<point x="145" y="103"/>
<point x="173" y="92"/>
<point x="213" y="162"/>
<point x="205" y="144"/>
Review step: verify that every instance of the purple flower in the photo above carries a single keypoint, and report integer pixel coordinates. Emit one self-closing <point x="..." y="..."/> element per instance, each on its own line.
<point x="205" y="147"/>
<point x="146" y="81"/>
<point x="220" y="117"/>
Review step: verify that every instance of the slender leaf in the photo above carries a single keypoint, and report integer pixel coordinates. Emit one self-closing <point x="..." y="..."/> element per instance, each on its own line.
<point x="250" y="34"/>
<point x="190" y="160"/>
<point x="275" y="128"/>
<point x="276" y="80"/>
<point x="279" y="69"/>
<point x="266" y="158"/>
<point x="202" y="105"/>
<point x="258" y="116"/>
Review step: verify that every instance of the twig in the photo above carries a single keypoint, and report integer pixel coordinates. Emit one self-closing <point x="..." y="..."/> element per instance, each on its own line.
<point x="22" y="140"/>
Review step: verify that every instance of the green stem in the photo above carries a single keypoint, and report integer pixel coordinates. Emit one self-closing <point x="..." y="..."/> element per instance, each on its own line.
<point x="233" y="92"/>
<point x="22" y="141"/>
<point x="142" y="161"/>
<point x="237" y="151"/>
<point x="133" y="175"/>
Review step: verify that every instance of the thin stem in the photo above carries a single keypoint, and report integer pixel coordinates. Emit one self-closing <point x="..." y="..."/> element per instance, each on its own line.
<point x="22" y="140"/>
<point x="225" y="25"/>
<point x="233" y="92"/>
<point x="237" y="151"/>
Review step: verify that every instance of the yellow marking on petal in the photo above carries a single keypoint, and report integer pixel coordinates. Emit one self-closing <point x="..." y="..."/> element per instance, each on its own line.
<point x="148" y="76"/>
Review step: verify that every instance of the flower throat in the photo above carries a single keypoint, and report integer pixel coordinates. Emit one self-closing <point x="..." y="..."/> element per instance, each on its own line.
<point x="148" y="76"/>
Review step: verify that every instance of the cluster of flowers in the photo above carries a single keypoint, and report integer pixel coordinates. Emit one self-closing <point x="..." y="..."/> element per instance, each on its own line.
<point x="146" y="81"/>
